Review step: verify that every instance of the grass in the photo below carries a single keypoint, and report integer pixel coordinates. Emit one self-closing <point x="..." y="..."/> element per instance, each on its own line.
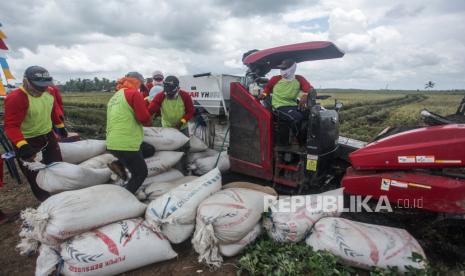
<point x="364" y="115"/>
<point x="86" y="100"/>
<point x="86" y="113"/>
<point x="266" y="257"/>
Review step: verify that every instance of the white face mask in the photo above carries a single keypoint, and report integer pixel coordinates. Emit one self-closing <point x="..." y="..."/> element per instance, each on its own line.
<point x="289" y="73"/>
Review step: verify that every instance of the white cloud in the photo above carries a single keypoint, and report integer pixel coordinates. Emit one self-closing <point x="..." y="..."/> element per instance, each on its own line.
<point x="397" y="42"/>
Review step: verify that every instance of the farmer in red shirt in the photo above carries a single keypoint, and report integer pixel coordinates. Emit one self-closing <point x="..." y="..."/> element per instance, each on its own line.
<point x="55" y="92"/>
<point x="290" y="93"/>
<point x="149" y="84"/>
<point x="176" y="108"/>
<point x="29" y="114"/>
<point x="126" y="114"/>
<point x="174" y="105"/>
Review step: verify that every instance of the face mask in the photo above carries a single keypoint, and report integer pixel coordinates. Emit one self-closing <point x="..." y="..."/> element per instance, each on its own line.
<point x="34" y="90"/>
<point x="289" y="73"/>
<point x="170" y="89"/>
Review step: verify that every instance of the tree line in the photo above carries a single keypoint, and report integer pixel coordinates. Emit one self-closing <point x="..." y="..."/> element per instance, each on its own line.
<point x="88" y="85"/>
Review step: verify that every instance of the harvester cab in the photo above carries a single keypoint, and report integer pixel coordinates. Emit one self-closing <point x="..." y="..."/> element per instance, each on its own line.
<point x="261" y="143"/>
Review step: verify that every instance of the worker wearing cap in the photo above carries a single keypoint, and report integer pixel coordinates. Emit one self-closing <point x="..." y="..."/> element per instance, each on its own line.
<point x="29" y="114"/>
<point x="174" y="105"/>
<point x="157" y="77"/>
<point x="289" y="94"/>
<point x="126" y="114"/>
<point x="176" y="108"/>
<point x="157" y="85"/>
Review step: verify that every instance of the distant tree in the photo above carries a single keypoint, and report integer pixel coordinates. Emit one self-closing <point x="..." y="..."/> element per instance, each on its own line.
<point x="88" y="85"/>
<point x="429" y="85"/>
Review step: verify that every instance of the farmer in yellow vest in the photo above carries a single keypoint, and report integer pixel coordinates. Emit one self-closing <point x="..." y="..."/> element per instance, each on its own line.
<point x="174" y="105"/>
<point x="176" y="108"/>
<point x="289" y="95"/>
<point x="29" y="114"/>
<point x="126" y="114"/>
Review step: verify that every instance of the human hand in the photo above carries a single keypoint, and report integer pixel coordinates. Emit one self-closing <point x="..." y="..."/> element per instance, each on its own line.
<point x="27" y="153"/>
<point x="262" y="96"/>
<point x="303" y="101"/>
<point x="62" y="132"/>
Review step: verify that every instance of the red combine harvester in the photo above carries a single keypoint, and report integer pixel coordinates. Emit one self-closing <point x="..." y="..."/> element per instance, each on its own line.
<point x="422" y="168"/>
<point x="261" y="145"/>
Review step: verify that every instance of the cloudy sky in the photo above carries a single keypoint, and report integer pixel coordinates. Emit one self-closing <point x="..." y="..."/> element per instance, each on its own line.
<point x="398" y="43"/>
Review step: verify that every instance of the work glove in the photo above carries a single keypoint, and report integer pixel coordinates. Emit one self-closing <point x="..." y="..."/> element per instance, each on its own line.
<point x="180" y="124"/>
<point x="27" y="153"/>
<point x="62" y="132"/>
<point x="303" y="102"/>
<point x="262" y="96"/>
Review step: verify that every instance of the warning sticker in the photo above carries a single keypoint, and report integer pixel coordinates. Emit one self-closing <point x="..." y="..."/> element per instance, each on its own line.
<point x="385" y="184"/>
<point x="312" y="161"/>
<point x="399" y="184"/>
<point x="425" y="158"/>
<point x="448" y="161"/>
<point x="406" y="159"/>
<point x="419" y="186"/>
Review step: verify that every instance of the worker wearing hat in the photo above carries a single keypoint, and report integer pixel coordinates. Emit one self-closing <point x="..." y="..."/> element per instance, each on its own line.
<point x="157" y="77"/>
<point x="174" y="105"/>
<point x="28" y="119"/>
<point x="176" y="108"/>
<point x="289" y="94"/>
<point x="157" y="84"/>
<point x="126" y="114"/>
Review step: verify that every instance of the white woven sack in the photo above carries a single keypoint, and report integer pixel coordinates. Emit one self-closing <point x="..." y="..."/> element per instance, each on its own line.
<point x="168" y="176"/>
<point x="226" y="217"/>
<point x="366" y="245"/>
<point x="294" y="225"/>
<point x="174" y="212"/>
<point x="99" y="162"/>
<point x="157" y="189"/>
<point x="196" y="144"/>
<point x="232" y="249"/>
<point x="60" y="176"/>
<point x="109" y="250"/>
<point x="162" y="161"/>
<point x="80" y="151"/>
<point x="203" y="165"/>
<point x="73" y="212"/>
<point x="163" y="138"/>
<point x="192" y="156"/>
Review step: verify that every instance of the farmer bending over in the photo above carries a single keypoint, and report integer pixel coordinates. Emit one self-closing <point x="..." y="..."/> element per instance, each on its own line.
<point x="29" y="114"/>
<point x="287" y="88"/>
<point x="126" y="114"/>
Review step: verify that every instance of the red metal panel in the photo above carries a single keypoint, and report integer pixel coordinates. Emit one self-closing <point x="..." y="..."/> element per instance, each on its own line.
<point x="263" y="170"/>
<point x="430" y="147"/>
<point x="417" y="190"/>
<point x="314" y="50"/>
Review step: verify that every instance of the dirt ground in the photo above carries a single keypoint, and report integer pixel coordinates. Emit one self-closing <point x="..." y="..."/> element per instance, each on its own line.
<point x="16" y="197"/>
